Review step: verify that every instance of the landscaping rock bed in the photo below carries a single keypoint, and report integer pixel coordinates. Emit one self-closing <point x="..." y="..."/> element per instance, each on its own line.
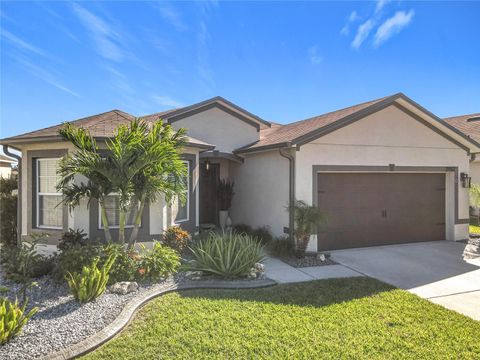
<point x="308" y="260"/>
<point x="61" y="321"/>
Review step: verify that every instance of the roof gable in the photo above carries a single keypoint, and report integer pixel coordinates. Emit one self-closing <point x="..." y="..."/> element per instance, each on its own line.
<point x="302" y="132"/>
<point x="216" y="102"/>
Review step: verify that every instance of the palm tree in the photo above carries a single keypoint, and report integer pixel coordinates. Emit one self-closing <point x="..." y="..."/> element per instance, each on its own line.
<point x="307" y="220"/>
<point x="135" y="164"/>
<point x="164" y="172"/>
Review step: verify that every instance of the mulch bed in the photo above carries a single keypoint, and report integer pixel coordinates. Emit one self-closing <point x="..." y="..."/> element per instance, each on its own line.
<point x="307" y="261"/>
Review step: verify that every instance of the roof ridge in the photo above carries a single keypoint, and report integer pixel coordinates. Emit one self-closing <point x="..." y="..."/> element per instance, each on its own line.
<point x="467" y="116"/>
<point x="342" y="109"/>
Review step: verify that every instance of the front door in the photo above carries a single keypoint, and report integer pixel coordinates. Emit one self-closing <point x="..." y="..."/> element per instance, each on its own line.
<point x="209" y="180"/>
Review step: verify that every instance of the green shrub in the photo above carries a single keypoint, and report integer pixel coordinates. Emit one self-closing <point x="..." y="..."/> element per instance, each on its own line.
<point x="72" y="238"/>
<point x="129" y="265"/>
<point x="176" y="238"/>
<point x="262" y="234"/>
<point x="281" y="247"/>
<point x="91" y="282"/>
<point x="159" y="262"/>
<point x="8" y="211"/>
<point x="126" y="263"/>
<point x="243" y="229"/>
<point x="72" y="260"/>
<point x="227" y="255"/>
<point x="25" y="263"/>
<point x="12" y="319"/>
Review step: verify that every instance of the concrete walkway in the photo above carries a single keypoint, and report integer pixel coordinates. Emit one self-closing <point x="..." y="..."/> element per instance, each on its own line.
<point x="432" y="270"/>
<point x="281" y="272"/>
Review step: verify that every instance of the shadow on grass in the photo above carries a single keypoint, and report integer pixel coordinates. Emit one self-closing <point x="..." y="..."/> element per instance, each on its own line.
<point x="315" y="293"/>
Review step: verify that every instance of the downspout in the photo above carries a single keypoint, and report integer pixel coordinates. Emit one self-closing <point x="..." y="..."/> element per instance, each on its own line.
<point x="19" y="192"/>
<point x="284" y="152"/>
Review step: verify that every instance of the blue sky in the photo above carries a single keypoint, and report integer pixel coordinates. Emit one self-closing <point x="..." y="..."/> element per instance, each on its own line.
<point x="283" y="61"/>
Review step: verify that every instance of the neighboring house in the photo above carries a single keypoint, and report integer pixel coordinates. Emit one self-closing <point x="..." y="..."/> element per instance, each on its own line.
<point x="385" y="171"/>
<point x="6" y="166"/>
<point x="470" y="126"/>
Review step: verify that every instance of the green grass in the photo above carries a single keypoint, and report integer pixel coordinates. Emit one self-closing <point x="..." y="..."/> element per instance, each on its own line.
<point x="356" y="318"/>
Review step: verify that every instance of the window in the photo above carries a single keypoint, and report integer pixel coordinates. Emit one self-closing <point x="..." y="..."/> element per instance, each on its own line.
<point x="181" y="213"/>
<point x="112" y="203"/>
<point x="49" y="212"/>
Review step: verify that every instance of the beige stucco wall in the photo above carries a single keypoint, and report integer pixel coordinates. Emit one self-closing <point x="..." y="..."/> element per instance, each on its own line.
<point x="219" y="128"/>
<point x="261" y="191"/>
<point x="160" y="214"/>
<point x="387" y="137"/>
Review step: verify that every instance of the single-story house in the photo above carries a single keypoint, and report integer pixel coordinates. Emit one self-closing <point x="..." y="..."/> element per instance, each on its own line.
<point x="6" y="164"/>
<point x="383" y="172"/>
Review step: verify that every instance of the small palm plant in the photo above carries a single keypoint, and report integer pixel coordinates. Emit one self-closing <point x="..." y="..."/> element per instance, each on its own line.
<point x="307" y="220"/>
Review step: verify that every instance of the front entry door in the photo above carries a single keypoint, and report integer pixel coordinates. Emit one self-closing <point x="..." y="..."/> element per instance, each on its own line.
<point x="209" y="180"/>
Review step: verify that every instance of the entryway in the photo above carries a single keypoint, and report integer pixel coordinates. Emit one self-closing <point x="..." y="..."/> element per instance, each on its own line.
<point x="209" y="179"/>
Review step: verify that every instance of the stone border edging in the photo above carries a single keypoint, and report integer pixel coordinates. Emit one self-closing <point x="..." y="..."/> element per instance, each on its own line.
<point x="121" y="321"/>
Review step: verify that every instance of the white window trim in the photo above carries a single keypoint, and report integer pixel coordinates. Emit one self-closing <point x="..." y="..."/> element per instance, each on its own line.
<point x="187" y="204"/>
<point x="38" y="194"/>
<point x="100" y="225"/>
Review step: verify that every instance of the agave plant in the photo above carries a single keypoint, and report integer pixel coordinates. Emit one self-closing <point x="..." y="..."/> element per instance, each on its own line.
<point x="12" y="319"/>
<point x="228" y="255"/>
<point x="91" y="282"/>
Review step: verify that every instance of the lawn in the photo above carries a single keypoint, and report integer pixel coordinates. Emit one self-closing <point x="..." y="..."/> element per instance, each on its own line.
<point x="343" y="318"/>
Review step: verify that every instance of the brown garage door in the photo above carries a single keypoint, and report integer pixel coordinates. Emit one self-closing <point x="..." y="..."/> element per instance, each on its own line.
<point x="367" y="209"/>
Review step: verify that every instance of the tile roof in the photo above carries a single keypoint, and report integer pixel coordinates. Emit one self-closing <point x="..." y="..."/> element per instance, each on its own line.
<point x="101" y="126"/>
<point x="467" y="124"/>
<point x="279" y="134"/>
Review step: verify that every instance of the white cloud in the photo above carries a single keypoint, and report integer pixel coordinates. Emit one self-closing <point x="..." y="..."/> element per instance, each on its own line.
<point x="44" y="75"/>
<point x="172" y="16"/>
<point x="380" y="5"/>
<point x="392" y="26"/>
<point x="362" y="33"/>
<point x="351" y="18"/>
<point x="21" y="44"/>
<point x="314" y="56"/>
<point x="167" y="101"/>
<point x="203" y="64"/>
<point x="107" y="40"/>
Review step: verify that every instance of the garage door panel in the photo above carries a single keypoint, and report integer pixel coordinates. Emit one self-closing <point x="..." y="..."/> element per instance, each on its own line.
<point x="367" y="209"/>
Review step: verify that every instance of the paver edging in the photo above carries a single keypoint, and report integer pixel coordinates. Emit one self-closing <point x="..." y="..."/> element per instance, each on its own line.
<point x="91" y="343"/>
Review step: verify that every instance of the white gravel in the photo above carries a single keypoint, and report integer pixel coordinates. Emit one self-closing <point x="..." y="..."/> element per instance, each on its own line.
<point x="61" y="321"/>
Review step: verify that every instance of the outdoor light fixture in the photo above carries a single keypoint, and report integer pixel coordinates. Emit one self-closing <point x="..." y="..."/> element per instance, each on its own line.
<point x="207" y="165"/>
<point x="465" y="179"/>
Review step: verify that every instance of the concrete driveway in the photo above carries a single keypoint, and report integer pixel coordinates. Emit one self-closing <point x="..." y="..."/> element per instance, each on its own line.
<point x="432" y="270"/>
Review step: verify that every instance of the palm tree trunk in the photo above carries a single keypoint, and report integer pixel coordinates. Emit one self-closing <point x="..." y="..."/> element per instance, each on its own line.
<point x="106" y="227"/>
<point x="136" y="225"/>
<point x="121" y="228"/>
